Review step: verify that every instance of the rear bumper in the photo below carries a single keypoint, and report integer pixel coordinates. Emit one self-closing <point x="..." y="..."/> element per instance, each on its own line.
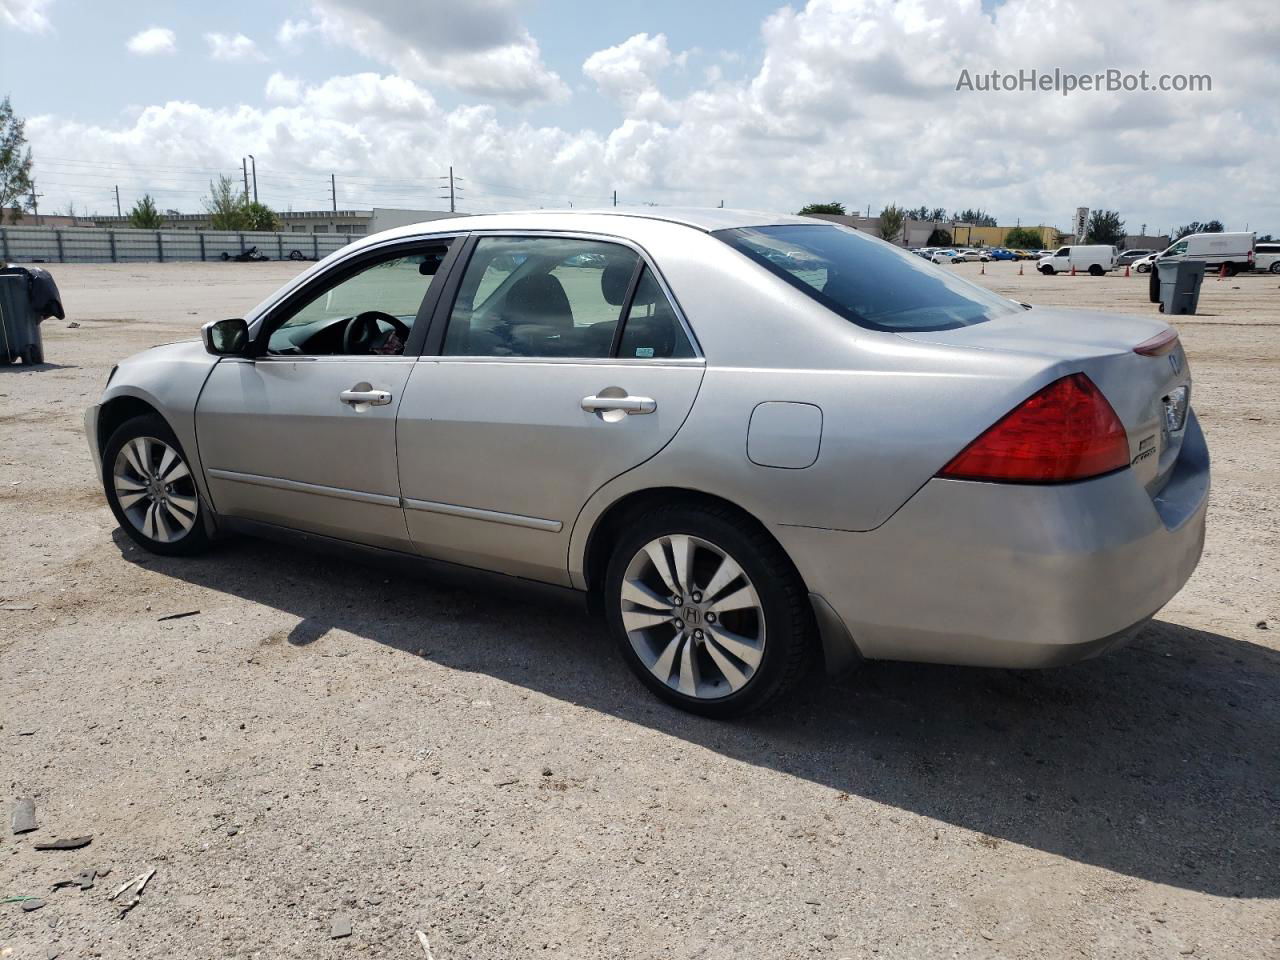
<point x="1005" y="575"/>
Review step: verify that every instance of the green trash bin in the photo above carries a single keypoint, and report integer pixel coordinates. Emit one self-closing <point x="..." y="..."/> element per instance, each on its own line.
<point x="1180" y="283"/>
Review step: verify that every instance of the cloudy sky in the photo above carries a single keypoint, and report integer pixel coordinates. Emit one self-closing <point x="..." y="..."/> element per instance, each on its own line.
<point x="547" y="103"/>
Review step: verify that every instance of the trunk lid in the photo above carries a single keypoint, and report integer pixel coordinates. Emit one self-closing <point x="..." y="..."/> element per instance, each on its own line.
<point x="1150" y="394"/>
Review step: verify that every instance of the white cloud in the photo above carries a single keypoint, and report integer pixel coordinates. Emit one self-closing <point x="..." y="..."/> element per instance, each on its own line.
<point x="153" y="41"/>
<point x="292" y="32"/>
<point x="29" y="16"/>
<point x="224" y="46"/>
<point x="851" y="101"/>
<point x="283" y="89"/>
<point x="478" y="47"/>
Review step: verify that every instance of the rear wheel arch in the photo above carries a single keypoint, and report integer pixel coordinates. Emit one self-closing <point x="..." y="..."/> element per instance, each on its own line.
<point x="612" y="522"/>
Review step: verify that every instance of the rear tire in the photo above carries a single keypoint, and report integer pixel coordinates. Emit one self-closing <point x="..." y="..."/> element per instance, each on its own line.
<point x="1096" y="271"/>
<point x="1275" y="267"/>
<point x="748" y="641"/>
<point x="151" y="490"/>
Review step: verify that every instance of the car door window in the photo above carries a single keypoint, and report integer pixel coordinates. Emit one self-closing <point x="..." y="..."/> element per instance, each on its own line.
<point x="368" y="313"/>
<point x="652" y="330"/>
<point x="540" y="297"/>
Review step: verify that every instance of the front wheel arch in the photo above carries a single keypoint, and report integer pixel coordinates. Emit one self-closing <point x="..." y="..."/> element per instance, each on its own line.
<point x="118" y="410"/>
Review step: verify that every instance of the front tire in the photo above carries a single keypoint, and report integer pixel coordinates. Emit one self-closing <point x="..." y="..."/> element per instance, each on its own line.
<point x="151" y="489"/>
<point x="1047" y="270"/>
<point x="707" y="611"/>
<point x="1275" y="267"/>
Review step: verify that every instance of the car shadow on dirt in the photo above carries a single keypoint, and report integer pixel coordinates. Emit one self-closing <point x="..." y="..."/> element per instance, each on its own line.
<point x="1159" y="761"/>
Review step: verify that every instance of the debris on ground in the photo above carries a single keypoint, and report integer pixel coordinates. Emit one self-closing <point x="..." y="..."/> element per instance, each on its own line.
<point x="137" y="885"/>
<point x="426" y="944"/>
<point x="67" y="843"/>
<point x="341" y="928"/>
<point x="24" y="815"/>
<point x="32" y="904"/>
<point x="177" y="616"/>
<point x="73" y="325"/>
<point x="17" y="607"/>
<point x="86" y="879"/>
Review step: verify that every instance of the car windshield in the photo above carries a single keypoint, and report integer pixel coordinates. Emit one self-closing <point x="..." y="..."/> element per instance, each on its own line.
<point x="870" y="283"/>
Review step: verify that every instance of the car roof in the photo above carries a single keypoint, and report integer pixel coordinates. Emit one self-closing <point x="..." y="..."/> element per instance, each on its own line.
<point x="705" y="219"/>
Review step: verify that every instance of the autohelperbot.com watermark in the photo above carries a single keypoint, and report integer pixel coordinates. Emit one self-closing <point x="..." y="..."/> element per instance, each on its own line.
<point x="1066" y="83"/>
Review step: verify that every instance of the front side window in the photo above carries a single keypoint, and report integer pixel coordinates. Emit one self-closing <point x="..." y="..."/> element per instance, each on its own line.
<point x="369" y="313"/>
<point x="556" y="297"/>
<point x="870" y="283"/>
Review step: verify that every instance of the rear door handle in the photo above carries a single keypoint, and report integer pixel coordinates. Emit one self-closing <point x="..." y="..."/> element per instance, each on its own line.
<point x="625" y="404"/>
<point x="364" y="396"/>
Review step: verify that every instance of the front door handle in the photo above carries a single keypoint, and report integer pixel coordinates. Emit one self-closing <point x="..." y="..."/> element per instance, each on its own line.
<point x="629" y="405"/>
<point x="362" y="396"/>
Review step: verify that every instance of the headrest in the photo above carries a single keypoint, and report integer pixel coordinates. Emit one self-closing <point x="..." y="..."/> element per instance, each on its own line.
<point x="614" y="280"/>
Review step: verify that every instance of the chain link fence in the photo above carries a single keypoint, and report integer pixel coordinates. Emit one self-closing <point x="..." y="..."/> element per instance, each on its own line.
<point x="96" y="245"/>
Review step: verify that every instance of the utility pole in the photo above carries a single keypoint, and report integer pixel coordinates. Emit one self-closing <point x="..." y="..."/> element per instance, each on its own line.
<point x="118" y="213"/>
<point x="244" y="168"/>
<point x="452" y="190"/>
<point x="255" y="177"/>
<point x="615" y="198"/>
<point x="333" y="191"/>
<point x="35" y="202"/>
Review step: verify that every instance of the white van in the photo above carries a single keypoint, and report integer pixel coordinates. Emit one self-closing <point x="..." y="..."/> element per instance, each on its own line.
<point x="1091" y="258"/>
<point x="1235" y="250"/>
<point x="1267" y="257"/>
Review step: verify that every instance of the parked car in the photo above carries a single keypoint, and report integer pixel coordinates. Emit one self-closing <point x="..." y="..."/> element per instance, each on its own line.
<point x="1000" y="253"/>
<point x="634" y="428"/>
<point x="1095" y="259"/>
<point x="972" y="255"/>
<point x="1128" y="257"/>
<point x="1215" y="250"/>
<point x="1143" y="264"/>
<point x="1267" y="257"/>
<point x="942" y="256"/>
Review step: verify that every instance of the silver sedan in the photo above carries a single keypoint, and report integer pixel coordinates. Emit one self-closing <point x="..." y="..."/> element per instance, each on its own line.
<point x="756" y="443"/>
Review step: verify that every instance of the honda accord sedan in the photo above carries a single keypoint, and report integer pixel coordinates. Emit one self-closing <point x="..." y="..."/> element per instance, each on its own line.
<point x="756" y="443"/>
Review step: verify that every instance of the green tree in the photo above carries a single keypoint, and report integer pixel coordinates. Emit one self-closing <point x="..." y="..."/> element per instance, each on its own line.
<point x="144" y="214"/>
<point x="261" y="217"/>
<point x="833" y="207"/>
<point x="15" y="162"/>
<point x="1105" y="226"/>
<point x="1023" y="238"/>
<point x="227" y="206"/>
<point x="979" y="217"/>
<point x="939" y="238"/>
<point x="892" y="219"/>
<point x="1195" y="226"/>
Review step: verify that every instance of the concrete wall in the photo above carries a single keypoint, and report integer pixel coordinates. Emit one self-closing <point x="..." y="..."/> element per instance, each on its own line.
<point x="96" y="245"/>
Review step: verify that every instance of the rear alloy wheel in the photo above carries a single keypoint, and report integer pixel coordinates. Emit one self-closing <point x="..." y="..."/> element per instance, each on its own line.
<point x="1275" y="267"/>
<point x="711" y="617"/>
<point x="151" y="490"/>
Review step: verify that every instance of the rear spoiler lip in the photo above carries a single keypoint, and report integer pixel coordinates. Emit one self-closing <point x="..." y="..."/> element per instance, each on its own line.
<point x="1159" y="345"/>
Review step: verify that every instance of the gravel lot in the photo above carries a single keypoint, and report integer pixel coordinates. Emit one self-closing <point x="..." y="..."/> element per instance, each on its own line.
<point x="324" y="740"/>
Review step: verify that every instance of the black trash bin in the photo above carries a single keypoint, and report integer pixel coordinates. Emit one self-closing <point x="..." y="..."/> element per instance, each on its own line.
<point x="1180" y="283"/>
<point x="27" y="296"/>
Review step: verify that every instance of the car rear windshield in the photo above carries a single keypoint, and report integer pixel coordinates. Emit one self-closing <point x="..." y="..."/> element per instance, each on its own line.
<point x="867" y="281"/>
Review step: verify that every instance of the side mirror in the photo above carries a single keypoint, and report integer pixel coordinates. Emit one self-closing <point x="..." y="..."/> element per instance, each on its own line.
<point x="226" y="338"/>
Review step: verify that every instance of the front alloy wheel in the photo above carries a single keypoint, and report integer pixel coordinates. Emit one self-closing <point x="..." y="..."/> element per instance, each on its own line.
<point x="154" y="489"/>
<point x="693" y="617"/>
<point x="150" y="488"/>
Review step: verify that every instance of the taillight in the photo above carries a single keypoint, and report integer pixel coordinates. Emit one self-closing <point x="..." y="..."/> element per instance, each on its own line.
<point x="1158" y="345"/>
<point x="1067" y="431"/>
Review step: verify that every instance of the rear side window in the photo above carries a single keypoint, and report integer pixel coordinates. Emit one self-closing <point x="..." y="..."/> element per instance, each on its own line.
<point x="866" y="281"/>
<point x="561" y="297"/>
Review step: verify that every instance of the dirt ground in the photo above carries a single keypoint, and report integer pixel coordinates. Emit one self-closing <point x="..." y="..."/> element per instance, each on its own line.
<point x="325" y="740"/>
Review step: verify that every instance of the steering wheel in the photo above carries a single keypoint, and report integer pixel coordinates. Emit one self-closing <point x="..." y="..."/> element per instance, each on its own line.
<point x="362" y="330"/>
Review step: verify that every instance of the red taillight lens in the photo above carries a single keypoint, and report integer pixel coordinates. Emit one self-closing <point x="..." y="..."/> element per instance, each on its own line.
<point x="1067" y="431"/>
